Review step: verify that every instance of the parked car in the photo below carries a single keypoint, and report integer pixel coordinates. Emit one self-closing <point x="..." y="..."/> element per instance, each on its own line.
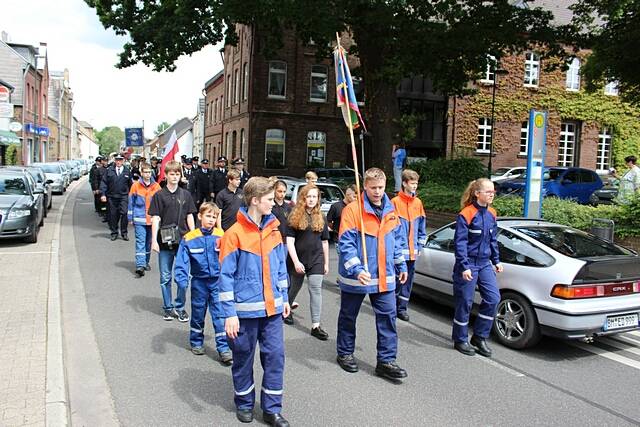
<point x="66" y="172"/>
<point x="329" y="193"/>
<point x="565" y="183"/>
<point x="21" y="206"/>
<point x="41" y="182"/>
<point x="82" y="165"/>
<point x="557" y="281"/>
<point x="342" y="177"/>
<point x="606" y="195"/>
<point x="55" y="173"/>
<point x="503" y="174"/>
<point x="74" y="169"/>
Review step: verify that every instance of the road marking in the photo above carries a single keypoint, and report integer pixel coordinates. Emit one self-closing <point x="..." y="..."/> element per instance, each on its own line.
<point x="626" y="339"/>
<point x="636" y="333"/>
<point x="607" y="354"/>
<point x="619" y="345"/>
<point x="26" y="253"/>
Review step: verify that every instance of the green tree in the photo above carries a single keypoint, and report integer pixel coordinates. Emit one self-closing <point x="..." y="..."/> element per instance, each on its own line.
<point x="447" y="40"/>
<point x="161" y="128"/>
<point x="110" y="138"/>
<point x="610" y="29"/>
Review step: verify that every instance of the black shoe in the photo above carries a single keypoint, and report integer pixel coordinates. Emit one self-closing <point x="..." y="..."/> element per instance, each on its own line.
<point x="147" y="267"/>
<point x="125" y="237"/>
<point x="140" y="271"/>
<point x="168" y="315"/>
<point x="275" y="420"/>
<point x="481" y="346"/>
<point x="182" y="315"/>
<point x="403" y="315"/>
<point x="226" y="358"/>
<point x="319" y="333"/>
<point x="390" y="370"/>
<point x="244" y="415"/>
<point x="464" y="348"/>
<point x="289" y="319"/>
<point x="348" y="363"/>
<point x="114" y="237"/>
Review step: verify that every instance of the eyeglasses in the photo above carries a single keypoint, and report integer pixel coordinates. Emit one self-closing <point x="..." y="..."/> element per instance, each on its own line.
<point x="490" y="192"/>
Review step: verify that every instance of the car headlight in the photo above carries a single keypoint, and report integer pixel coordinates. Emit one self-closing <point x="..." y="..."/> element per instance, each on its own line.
<point x="19" y="213"/>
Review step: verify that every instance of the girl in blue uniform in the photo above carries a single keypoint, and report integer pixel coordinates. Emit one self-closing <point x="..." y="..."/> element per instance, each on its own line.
<point x="477" y="261"/>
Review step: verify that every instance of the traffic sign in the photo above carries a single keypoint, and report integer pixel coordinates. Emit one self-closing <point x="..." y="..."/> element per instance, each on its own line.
<point x="4" y="94"/>
<point x="15" y="126"/>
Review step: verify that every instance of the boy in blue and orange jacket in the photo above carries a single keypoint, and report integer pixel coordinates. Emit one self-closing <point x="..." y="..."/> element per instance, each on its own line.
<point x="140" y="196"/>
<point x="198" y="256"/>
<point x="384" y="245"/>
<point x="413" y="222"/>
<point x="253" y="292"/>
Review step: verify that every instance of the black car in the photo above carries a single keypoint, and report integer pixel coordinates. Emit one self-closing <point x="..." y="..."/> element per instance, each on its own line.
<point x="342" y="177"/>
<point x="21" y="206"/>
<point x="42" y="183"/>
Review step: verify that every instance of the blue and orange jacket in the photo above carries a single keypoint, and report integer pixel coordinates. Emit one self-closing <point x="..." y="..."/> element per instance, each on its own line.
<point x="140" y="196"/>
<point x="476" y="237"/>
<point x="413" y="222"/>
<point x="385" y="242"/>
<point x="253" y="273"/>
<point x="198" y="255"/>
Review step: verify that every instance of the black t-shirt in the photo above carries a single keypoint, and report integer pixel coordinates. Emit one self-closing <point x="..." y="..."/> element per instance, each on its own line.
<point x="309" y="248"/>
<point x="229" y="203"/>
<point x="282" y="213"/>
<point x="334" y="215"/>
<point x="166" y="205"/>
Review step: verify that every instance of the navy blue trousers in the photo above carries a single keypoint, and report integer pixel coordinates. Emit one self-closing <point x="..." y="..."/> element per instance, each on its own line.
<point x="204" y="294"/>
<point x="384" y="307"/>
<point x="268" y="332"/>
<point x="403" y="290"/>
<point x="485" y="278"/>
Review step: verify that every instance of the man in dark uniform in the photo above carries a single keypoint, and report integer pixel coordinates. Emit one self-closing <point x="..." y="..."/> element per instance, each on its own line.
<point x="219" y="176"/>
<point x="244" y="175"/>
<point x="188" y="178"/>
<point x="104" y="207"/>
<point x="202" y="183"/>
<point x="115" y="191"/>
<point x="95" y="183"/>
<point x="194" y="163"/>
<point x="155" y="168"/>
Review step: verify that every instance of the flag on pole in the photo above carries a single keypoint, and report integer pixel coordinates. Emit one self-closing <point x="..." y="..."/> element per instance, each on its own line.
<point x="168" y="154"/>
<point x="345" y="94"/>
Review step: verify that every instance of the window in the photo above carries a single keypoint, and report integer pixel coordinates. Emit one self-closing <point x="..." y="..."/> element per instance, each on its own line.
<point x="611" y="88"/>
<point x="319" y="82"/>
<point x="515" y="250"/>
<point x="236" y="84"/>
<point x="245" y="81"/>
<point x="443" y="239"/>
<point x="587" y="176"/>
<point x="573" y="75"/>
<point x="229" y="90"/>
<point x="531" y="69"/>
<point x="358" y="89"/>
<point x="603" y="156"/>
<point x="215" y="111"/>
<point x="220" y="115"/>
<point x="274" y="149"/>
<point x="489" y="74"/>
<point x="484" y="135"/>
<point x="524" y="138"/>
<point x="242" y="143"/>
<point x="567" y="144"/>
<point x="316" y="144"/>
<point x="277" y="79"/>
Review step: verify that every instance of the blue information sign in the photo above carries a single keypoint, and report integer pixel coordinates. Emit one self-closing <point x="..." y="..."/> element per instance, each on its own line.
<point x="133" y="137"/>
<point x="536" y="148"/>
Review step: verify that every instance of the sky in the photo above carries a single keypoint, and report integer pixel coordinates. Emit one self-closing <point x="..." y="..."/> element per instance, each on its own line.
<point x="103" y="94"/>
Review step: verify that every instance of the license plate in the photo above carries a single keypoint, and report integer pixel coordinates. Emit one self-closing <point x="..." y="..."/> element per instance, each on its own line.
<point x="623" y="321"/>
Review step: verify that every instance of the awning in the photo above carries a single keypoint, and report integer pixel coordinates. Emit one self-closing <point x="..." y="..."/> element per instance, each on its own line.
<point x="8" y="138"/>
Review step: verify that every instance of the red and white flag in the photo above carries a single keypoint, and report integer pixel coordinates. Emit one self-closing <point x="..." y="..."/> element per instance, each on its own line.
<point x="168" y="154"/>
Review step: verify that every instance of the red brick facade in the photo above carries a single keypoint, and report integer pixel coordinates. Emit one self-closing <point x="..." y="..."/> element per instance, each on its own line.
<point x="213" y="125"/>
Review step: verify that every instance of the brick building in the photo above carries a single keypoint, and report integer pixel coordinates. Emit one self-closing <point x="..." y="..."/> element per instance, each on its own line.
<point x="213" y="114"/>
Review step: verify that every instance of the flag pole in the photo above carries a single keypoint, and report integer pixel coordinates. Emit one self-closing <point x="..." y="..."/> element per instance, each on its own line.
<point x="355" y="167"/>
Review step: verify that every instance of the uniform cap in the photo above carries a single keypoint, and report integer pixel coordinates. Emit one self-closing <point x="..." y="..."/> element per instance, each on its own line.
<point x="195" y="159"/>
<point x="187" y="160"/>
<point x="238" y="161"/>
<point x="119" y="157"/>
<point x="205" y="161"/>
<point x="222" y="159"/>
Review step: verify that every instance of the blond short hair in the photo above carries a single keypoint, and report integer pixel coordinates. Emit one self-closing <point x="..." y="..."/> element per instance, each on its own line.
<point x="311" y="175"/>
<point x="258" y="187"/>
<point x="209" y="206"/>
<point x="374" y="174"/>
<point x="232" y="174"/>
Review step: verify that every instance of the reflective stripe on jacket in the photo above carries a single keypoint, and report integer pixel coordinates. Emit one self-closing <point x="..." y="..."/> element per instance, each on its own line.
<point x="140" y="196"/>
<point x="476" y="236"/>
<point x="413" y="222"/>
<point x="385" y="242"/>
<point x="253" y="274"/>
<point x="198" y="256"/>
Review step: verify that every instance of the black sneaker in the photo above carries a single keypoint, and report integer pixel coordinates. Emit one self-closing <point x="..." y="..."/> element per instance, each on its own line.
<point x="113" y="237"/>
<point x="140" y="271"/>
<point x="125" y="237"/>
<point x="289" y="319"/>
<point x="390" y="370"/>
<point x="403" y="315"/>
<point x="319" y="333"/>
<point x="168" y="315"/>
<point x="348" y="363"/>
<point x="182" y="315"/>
<point x="198" y="351"/>
<point x="226" y="358"/>
<point x="147" y="267"/>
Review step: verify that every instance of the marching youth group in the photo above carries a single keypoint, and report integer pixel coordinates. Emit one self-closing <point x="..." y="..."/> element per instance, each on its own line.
<point x="246" y="252"/>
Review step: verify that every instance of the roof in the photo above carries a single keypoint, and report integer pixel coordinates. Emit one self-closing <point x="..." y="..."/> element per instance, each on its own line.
<point x="213" y="79"/>
<point x="181" y="127"/>
<point x="562" y="15"/>
<point x="7" y="85"/>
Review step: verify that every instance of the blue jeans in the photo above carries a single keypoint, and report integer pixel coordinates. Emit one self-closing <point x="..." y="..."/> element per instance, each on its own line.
<point x="143" y="245"/>
<point x="165" y="262"/>
<point x="397" y="178"/>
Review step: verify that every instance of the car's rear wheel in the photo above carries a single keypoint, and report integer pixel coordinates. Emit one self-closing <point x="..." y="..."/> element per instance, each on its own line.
<point x="516" y="324"/>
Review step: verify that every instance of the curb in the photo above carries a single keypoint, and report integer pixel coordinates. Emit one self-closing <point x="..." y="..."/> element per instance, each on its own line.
<point x="56" y="398"/>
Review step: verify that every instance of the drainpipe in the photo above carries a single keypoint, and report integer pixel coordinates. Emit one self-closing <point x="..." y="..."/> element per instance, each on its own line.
<point x="24" y="107"/>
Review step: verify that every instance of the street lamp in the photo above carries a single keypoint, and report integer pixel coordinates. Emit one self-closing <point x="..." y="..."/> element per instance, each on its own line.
<point x="496" y="73"/>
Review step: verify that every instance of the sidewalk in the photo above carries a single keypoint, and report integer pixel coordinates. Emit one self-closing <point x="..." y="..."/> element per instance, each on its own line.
<point x="24" y="278"/>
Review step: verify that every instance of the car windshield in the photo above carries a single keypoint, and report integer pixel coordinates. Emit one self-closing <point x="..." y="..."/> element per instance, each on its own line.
<point x="571" y="242"/>
<point x="47" y="168"/>
<point x="330" y="194"/>
<point x="13" y="185"/>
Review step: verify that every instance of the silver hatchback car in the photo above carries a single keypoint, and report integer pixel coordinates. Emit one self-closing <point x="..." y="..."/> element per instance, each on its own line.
<point x="557" y="281"/>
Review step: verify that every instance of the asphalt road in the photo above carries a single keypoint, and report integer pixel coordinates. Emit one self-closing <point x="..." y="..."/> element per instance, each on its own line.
<point x="155" y="380"/>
